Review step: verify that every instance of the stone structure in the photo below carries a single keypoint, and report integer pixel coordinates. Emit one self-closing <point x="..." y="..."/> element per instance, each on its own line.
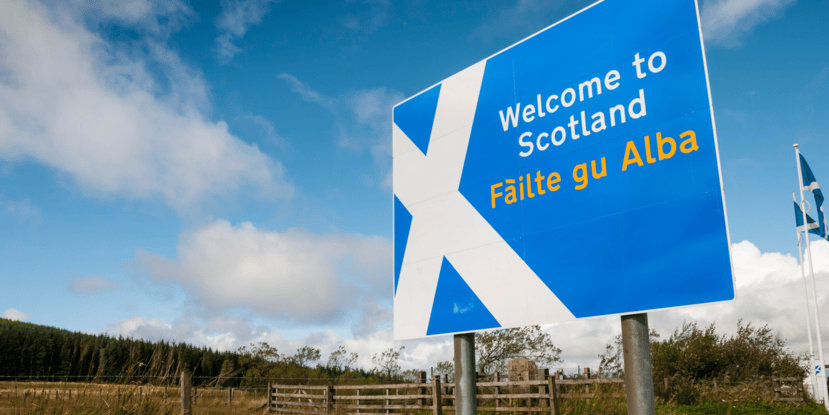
<point x="522" y="369"/>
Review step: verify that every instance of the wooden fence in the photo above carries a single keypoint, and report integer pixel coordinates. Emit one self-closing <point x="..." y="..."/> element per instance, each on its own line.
<point x="493" y="396"/>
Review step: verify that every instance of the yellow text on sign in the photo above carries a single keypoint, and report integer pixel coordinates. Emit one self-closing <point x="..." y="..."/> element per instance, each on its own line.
<point x="665" y="149"/>
<point x="511" y="194"/>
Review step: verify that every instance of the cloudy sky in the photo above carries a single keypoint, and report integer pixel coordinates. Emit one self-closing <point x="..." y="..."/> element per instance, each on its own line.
<point x="219" y="173"/>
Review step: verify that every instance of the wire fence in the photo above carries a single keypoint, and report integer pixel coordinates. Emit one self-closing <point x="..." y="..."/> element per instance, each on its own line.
<point x="33" y="390"/>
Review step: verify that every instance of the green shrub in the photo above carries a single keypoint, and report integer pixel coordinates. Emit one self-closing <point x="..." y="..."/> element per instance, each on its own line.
<point x="691" y="352"/>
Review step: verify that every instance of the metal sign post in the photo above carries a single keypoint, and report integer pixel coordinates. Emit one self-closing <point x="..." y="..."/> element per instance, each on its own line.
<point x="638" y="366"/>
<point x="466" y="401"/>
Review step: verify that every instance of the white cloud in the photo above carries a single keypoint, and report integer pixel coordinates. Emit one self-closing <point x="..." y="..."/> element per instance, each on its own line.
<point x="309" y="94"/>
<point x="140" y="327"/>
<point x="295" y="276"/>
<point x="727" y="22"/>
<point x="227" y="332"/>
<point x="523" y="18"/>
<point x="372" y="317"/>
<point x="236" y="18"/>
<point x="364" y="121"/>
<point x="184" y="329"/>
<point x="92" y="285"/>
<point x="267" y="127"/>
<point x="770" y="290"/>
<point x="157" y="18"/>
<point x="71" y="101"/>
<point x="416" y="354"/>
<point x="370" y="125"/>
<point x="22" y="211"/>
<point x="13" y="314"/>
<point x="769" y="286"/>
<point x="367" y="21"/>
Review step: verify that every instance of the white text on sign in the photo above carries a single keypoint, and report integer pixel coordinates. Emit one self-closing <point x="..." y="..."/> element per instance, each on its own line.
<point x="578" y="123"/>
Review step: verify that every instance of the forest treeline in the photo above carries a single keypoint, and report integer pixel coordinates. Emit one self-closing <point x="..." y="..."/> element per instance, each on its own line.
<point x="48" y="353"/>
<point x="29" y="351"/>
<point x="34" y="352"/>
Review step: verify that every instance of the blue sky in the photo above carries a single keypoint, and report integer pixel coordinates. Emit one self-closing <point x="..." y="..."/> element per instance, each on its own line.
<point x="220" y="173"/>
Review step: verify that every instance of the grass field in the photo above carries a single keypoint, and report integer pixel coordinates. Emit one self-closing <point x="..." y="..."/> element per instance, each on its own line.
<point x="78" y="398"/>
<point x="74" y="398"/>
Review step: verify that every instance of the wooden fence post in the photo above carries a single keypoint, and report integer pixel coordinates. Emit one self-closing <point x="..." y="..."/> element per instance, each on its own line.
<point x="446" y="389"/>
<point x="497" y="391"/>
<point x="270" y="396"/>
<point x="421" y="378"/>
<point x="543" y="374"/>
<point x="437" y="408"/>
<point x="387" y="401"/>
<point x="329" y="399"/>
<point x="559" y="376"/>
<point x="359" y="402"/>
<point x="552" y="394"/>
<point x="186" y="404"/>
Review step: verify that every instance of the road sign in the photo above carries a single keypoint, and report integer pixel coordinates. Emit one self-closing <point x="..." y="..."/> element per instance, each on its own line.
<point x="574" y="174"/>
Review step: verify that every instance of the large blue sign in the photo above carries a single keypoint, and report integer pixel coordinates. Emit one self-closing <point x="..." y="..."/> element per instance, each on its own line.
<point x="574" y="174"/>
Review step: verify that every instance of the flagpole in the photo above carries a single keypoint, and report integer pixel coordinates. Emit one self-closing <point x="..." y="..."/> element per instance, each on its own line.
<point x="822" y="378"/>
<point x="815" y="391"/>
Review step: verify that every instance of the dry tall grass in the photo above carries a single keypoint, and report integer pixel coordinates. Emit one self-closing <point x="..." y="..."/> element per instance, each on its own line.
<point x="73" y="398"/>
<point x="49" y="398"/>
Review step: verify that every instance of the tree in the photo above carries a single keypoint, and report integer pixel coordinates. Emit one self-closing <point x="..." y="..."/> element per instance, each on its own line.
<point x="495" y="348"/>
<point x="305" y="355"/>
<point x="750" y="354"/>
<point x="262" y="351"/>
<point x="338" y="361"/>
<point x="387" y="362"/>
<point x="692" y="352"/>
<point x="446" y="368"/>
<point x="612" y="363"/>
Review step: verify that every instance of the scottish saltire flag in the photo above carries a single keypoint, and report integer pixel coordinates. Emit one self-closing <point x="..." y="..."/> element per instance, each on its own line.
<point x="810" y="184"/>
<point x="812" y="227"/>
